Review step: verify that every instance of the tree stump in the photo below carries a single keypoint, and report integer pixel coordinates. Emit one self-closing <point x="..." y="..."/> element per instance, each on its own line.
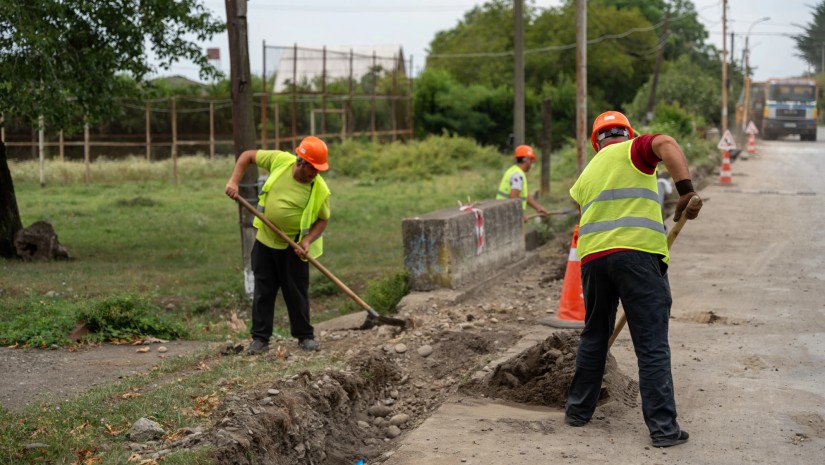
<point x="39" y="242"/>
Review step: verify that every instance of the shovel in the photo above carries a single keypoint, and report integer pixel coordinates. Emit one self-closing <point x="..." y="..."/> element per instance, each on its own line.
<point x="671" y="236"/>
<point x="373" y="317"/>
<point x="566" y="211"/>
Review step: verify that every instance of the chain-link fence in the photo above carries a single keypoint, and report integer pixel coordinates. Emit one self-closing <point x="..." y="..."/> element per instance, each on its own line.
<point x="334" y="94"/>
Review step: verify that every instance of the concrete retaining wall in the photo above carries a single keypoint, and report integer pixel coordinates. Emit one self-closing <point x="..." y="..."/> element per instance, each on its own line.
<point x="440" y="248"/>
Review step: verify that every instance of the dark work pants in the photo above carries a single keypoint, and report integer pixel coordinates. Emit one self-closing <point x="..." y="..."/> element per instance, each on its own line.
<point x="639" y="280"/>
<point x="280" y="269"/>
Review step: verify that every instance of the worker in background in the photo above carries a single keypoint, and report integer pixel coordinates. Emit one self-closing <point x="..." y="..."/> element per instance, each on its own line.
<point x="513" y="184"/>
<point x="624" y="257"/>
<point x="296" y="199"/>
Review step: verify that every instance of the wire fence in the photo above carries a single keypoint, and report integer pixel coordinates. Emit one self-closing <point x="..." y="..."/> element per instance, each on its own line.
<point x="327" y="93"/>
<point x="335" y="93"/>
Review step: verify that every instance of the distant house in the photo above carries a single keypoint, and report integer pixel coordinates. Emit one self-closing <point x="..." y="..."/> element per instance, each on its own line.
<point x="339" y="60"/>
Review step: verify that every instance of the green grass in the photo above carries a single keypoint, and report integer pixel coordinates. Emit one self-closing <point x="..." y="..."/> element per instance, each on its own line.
<point x="97" y="421"/>
<point x="132" y="231"/>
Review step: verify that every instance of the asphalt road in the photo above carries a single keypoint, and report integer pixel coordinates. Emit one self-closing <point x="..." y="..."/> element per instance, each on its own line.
<point x="746" y="335"/>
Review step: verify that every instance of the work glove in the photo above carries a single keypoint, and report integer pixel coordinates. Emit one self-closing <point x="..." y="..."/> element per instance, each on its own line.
<point x="682" y="207"/>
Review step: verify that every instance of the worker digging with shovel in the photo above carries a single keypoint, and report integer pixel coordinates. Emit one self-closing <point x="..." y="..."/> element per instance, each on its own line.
<point x="296" y="198"/>
<point x="624" y="256"/>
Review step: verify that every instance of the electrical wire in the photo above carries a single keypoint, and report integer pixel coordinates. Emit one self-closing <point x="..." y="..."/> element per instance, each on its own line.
<point x="556" y="48"/>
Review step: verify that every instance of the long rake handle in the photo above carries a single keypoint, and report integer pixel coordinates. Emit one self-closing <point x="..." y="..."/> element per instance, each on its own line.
<point x="671" y="236"/>
<point x="556" y="212"/>
<point x="311" y="260"/>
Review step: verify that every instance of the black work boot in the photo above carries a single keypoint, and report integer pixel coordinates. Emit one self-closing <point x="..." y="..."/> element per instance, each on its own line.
<point x="257" y="347"/>
<point x="680" y="438"/>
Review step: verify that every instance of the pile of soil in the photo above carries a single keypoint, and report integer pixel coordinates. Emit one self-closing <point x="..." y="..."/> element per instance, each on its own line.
<point x="541" y="375"/>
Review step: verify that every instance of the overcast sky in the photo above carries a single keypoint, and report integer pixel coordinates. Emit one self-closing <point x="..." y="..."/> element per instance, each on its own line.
<point x="412" y="24"/>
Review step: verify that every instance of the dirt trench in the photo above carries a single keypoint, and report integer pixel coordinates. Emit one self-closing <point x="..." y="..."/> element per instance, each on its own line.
<point x="393" y="381"/>
<point x="338" y="417"/>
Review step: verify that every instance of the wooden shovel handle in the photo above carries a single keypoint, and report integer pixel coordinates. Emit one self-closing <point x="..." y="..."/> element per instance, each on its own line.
<point x="671" y="236"/>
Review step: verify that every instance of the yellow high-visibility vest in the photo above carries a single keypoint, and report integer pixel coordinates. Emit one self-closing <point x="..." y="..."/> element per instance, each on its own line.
<point x="619" y="205"/>
<point x="281" y="164"/>
<point x="504" y="186"/>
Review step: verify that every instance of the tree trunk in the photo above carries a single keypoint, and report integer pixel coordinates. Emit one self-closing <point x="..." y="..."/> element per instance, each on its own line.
<point x="9" y="214"/>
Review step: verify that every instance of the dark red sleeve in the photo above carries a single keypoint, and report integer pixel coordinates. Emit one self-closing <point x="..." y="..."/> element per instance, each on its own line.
<point x="641" y="152"/>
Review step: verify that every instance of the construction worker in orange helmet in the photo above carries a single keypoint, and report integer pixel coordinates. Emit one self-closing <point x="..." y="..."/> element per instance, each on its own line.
<point x="624" y="257"/>
<point x="513" y="183"/>
<point x="296" y="199"/>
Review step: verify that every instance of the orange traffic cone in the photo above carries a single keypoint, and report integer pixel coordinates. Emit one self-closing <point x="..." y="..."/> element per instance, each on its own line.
<point x="571" y="304"/>
<point x="724" y="173"/>
<point x="751" y="144"/>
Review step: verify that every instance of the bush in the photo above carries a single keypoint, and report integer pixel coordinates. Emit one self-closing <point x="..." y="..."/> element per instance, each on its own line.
<point x="40" y="322"/>
<point x="671" y="119"/>
<point x="384" y="294"/>
<point x="128" y="317"/>
<point x="415" y="160"/>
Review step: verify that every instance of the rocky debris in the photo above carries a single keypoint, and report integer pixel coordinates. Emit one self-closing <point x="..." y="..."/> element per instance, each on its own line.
<point x="425" y="350"/>
<point x="145" y="430"/>
<point x="336" y="415"/>
<point x="230" y="348"/>
<point x="185" y="438"/>
<point x="39" y="242"/>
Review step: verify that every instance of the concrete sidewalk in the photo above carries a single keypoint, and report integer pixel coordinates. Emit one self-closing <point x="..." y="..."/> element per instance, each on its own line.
<point x="747" y="337"/>
<point x="475" y="430"/>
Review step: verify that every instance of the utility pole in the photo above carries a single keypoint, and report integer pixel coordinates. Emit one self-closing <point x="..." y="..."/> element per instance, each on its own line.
<point x="746" y="92"/>
<point x="518" y="73"/>
<point x="651" y="101"/>
<point x="746" y="54"/>
<point x="243" y="125"/>
<point x="546" y="144"/>
<point x="581" y="84"/>
<point x="724" y="68"/>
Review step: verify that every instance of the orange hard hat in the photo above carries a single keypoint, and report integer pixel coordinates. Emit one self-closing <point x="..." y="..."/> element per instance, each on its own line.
<point x="609" y="119"/>
<point x="314" y="151"/>
<point x="525" y="151"/>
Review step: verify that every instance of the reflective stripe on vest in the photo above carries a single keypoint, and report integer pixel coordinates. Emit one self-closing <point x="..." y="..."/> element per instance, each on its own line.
<point x="628" y="222"/>
<point x="504" y="186"/>
<point x="626" y="193"/>
<point x="620" y="205"/>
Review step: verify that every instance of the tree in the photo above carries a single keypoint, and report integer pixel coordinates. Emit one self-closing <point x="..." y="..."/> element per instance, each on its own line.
<point x="811" y="44"/>
<point x="60" y="58"/>
<point x="479" y="49"/>
<point x="684" y="84"/>
<point x="487" y="28"/>
<point x="8" y="209"/>
<point x="685" y="31"/>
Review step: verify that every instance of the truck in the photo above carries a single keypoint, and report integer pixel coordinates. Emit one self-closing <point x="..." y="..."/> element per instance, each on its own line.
<point x="752" y="96"/>
<point x="790" y="108"/>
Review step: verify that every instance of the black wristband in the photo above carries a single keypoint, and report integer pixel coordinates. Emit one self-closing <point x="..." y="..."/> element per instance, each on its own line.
<point x="684" y="187"/>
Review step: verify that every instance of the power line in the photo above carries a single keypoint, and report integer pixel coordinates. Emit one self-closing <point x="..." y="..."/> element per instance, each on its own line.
<point x="550" y="48"/>
<point x="741" y="34"/>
